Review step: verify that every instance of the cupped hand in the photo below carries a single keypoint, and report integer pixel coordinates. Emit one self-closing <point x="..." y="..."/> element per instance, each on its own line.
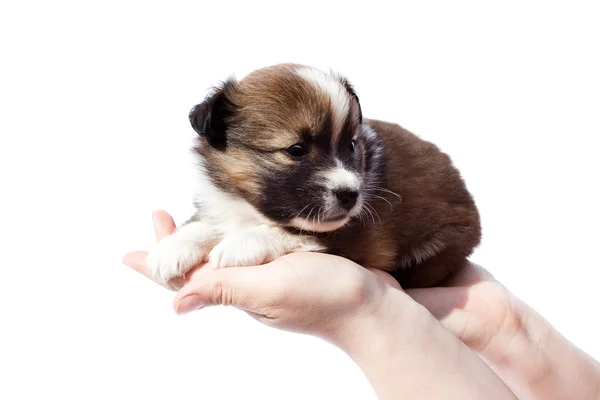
<point x="314" y="293"/>
<point x="340" y="301"/>
<point x="304" y="291"/>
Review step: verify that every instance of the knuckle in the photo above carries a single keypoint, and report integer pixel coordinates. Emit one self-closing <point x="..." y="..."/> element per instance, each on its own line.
<point x="221" y="293"/>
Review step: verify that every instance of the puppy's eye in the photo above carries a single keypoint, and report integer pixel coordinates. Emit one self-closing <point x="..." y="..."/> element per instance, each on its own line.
<point x="352" y="145"/>
<point x="297" y="150"/>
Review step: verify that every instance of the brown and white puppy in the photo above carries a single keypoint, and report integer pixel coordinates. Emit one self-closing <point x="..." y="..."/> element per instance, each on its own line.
<point x="287" y="163"/>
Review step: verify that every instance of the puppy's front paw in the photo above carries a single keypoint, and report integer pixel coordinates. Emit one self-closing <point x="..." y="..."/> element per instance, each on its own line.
<point x="258" y="245"/>
<point x="249" y="247"/>
<point x="174" y="256"/>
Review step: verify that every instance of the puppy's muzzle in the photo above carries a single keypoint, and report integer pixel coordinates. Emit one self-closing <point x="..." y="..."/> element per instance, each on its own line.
<point x="346" y="198"/>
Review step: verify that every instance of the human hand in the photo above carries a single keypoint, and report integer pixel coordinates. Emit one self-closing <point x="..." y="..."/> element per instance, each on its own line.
<point x="312" y="293"/>
<point x="364" y="312"/>
<point x="523" y="349"/>
<point x="340" y="301"/>
<point x="472" y="304"/>
<point x="477" y="308"/>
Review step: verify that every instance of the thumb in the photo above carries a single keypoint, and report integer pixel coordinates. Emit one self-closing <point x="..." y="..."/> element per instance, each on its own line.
<point x="247" y="288"/>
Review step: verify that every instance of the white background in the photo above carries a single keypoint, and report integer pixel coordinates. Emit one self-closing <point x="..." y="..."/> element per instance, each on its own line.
<point x="94" y="135"/>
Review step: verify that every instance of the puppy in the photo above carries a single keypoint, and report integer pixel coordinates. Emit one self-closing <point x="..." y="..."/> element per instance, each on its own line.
<point x="287" y="163"/>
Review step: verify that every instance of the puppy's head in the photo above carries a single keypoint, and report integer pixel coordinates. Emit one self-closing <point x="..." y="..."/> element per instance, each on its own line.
<point x="290" y="141"/>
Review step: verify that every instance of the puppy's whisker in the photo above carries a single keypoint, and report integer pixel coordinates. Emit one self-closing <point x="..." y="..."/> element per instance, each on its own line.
<point x="300" y="212"/>
<point x="371" y="215"/>
<point x="362" y="216"/>
<point x="369" y="211"/>
<point x="310" y="212"/>
<point x="387" y="191"/>
<point x="375" y="211"/>
<point x="384" y="199"/>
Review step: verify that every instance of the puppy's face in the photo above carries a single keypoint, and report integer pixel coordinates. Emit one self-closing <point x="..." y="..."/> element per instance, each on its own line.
<point x="290" y="141"/>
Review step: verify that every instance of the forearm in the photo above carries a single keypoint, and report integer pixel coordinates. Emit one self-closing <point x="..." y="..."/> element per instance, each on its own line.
<point x="406" y="353"/>
<point x="539" y="363"/>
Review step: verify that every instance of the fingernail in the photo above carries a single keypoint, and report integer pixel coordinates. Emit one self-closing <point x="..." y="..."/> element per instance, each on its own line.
<point x="188" y="304"/>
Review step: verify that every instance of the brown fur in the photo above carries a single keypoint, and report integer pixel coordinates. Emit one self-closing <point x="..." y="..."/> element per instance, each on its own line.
<point x="274" y="108"/>
<point x="434" y="204"/>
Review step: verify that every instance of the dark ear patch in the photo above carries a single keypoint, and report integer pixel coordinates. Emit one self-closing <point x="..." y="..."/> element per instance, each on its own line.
<point x="209" y="118"/>
<point x="353" y="95"/>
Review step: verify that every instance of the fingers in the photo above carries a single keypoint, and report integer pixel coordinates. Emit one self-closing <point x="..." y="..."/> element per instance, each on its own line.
<point x="163" y="224"/>
<point x="248" y="288"/>
<point x="136" y="260"/>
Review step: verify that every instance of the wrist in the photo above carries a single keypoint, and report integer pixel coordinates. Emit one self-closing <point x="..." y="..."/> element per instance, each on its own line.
<point x="405" y="352"/>
<point x="516" y="350"/>
<point x="537" y="362"/>
<point x="373" y="327"/>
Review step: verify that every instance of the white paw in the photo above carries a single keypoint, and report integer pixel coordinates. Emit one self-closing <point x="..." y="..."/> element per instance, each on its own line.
<point x="249" y="247"/>
<point x="174" y="256"/>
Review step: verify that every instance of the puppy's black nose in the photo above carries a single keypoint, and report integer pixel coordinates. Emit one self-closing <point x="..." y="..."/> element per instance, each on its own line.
<point x="346" y="198"/>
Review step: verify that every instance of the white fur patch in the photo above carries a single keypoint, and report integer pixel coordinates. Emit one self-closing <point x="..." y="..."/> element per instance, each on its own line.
<point x="225" y="212"/>
<point x="338" y="177"/>
<point x="233" y="233"/>
<point x="178" y="253"/>
<point x="258" y="245"/>
<point x="331" y="85"/>
<point x="314" y="225"/>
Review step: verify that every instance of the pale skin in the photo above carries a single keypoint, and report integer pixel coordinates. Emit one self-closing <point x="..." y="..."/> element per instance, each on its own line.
<point x="392" y="334"/>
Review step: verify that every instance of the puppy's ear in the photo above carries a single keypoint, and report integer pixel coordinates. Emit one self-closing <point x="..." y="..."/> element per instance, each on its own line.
<point x="354" y="96"/>
<point x="210" y="118"/>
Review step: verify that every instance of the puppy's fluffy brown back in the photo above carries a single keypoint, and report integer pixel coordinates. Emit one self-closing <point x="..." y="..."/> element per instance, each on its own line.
<point x="423" y="222"/>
